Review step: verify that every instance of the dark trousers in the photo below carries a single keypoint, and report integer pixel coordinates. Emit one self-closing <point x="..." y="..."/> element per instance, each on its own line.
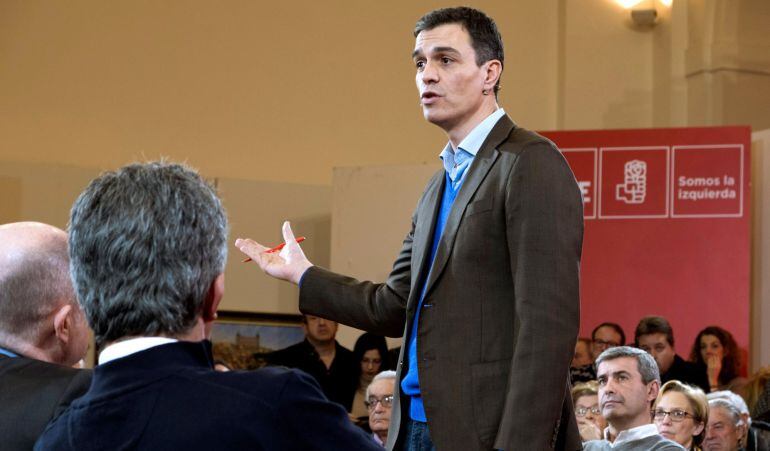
<point x="418" y="437"/>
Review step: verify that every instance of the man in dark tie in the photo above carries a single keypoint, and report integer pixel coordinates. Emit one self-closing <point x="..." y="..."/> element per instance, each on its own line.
<point x="485" y="288"/>
<point x="43" y="332"/>
<point x="148" y="245"/>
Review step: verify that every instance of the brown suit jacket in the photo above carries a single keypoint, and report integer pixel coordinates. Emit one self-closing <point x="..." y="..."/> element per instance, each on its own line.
<point x="501" y="310"/>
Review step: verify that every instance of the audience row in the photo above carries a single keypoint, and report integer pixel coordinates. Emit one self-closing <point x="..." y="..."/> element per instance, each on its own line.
<point x="628" y="409"/>
<point x="713" y="364"/>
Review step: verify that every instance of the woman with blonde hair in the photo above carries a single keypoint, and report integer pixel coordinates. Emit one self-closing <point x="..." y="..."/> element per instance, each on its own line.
<point x="681" y="413"/>
<point x="585" y="400"/>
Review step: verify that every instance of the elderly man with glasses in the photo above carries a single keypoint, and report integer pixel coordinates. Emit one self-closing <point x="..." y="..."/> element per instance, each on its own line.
<point x="379" y="400"/>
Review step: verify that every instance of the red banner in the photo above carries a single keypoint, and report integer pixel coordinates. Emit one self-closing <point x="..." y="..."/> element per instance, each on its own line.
<point x="667" y="228"/>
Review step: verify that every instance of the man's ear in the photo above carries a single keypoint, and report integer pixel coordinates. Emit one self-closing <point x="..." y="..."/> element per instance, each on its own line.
<point x="494" y="69"/>
<point x="63" y="323"/>
<point x="213" y="298"/>
<point x="652" y="390"/>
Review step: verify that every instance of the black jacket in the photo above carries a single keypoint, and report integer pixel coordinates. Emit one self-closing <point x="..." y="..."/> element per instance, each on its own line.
<point x="31" y="393"/>
<point x="169" y="397"/>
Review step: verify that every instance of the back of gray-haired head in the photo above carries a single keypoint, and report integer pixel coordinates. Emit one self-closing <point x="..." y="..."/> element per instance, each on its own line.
<point x="645" y="362"/>
<point x="34" y="279"/>
<point x="146" y="243"/>
<point x="387" y="374"/>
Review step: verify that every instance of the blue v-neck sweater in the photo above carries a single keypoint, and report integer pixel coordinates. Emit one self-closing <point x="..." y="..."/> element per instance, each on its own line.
<point x="410" y="384"/>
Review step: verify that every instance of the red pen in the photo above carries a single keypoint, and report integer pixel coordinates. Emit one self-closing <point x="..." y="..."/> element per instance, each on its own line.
<point x="299" y="239"/>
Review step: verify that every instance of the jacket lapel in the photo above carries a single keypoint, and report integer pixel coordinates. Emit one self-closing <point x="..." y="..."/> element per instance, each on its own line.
<point x="481" y="165"/>
<point x="423" y="234"/>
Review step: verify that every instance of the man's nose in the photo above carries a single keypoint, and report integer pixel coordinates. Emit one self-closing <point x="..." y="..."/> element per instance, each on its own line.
<point x="429" y="73"/>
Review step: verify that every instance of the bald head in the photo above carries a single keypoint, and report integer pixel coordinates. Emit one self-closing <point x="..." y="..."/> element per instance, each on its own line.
<point x="34" y="286"/>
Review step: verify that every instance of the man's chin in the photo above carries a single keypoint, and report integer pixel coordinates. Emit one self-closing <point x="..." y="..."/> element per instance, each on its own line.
<point x="434" y="116"/>
<point x="379" y="426"/>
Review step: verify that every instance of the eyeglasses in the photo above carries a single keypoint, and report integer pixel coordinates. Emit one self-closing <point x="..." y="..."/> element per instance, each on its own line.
<point x="676" y="415"/>
<point x="582" y="411"/>
<point x="386" y="401"/>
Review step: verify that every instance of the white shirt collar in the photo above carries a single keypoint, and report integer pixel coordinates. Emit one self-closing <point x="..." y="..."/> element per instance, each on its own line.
<point x="632" y="434"/>
<point x="126" y="348"/>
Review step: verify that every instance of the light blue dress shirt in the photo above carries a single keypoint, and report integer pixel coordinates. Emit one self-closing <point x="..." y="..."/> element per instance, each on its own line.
<point x="457" y="162"/>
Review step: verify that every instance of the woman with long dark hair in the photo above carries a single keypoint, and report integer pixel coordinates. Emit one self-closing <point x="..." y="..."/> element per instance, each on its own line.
<point x="716" y="353"/>
<point x="371" y="355"/>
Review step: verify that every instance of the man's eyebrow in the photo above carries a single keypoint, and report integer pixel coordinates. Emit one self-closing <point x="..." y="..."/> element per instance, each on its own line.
<point x="613" y="373"/>
<point x="437" y="50"/>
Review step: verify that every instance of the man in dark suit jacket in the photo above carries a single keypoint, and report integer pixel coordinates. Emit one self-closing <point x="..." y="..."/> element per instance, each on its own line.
<point x="655" y="335"/>
<point x="148" y="248"/>
<point x="485" y="288"/>
<point x="42" y="329"/>
<point x="320" y="356"/>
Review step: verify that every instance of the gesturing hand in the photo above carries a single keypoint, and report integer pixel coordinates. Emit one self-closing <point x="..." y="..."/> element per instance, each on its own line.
<point x="289" y="264"/>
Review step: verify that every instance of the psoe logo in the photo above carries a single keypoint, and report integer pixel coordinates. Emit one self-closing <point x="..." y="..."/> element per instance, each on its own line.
<point x="634" y="187"/>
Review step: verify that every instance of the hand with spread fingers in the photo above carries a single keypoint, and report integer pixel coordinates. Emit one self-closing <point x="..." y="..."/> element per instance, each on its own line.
<point x="288" y="265"/>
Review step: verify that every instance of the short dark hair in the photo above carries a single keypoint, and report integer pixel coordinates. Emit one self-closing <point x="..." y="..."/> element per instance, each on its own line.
<point x="654" y="325"/>
<point x="616" y="327"/>
<point x="485" y="37"/>
<point x="146" y="242"/>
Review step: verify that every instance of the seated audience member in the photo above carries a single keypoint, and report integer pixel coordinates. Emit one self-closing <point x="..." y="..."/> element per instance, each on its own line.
<point x="585" y="401"/>
<point x="582" y="356"/>
<point x="628" y="384"/>
<point x="148" y="245"/>
<point x="680" y="412"/>
<point x="655" y="335"/>
<point x="756" y="435"/>
<point x="321" y="356"/>
<point x="604" y="336"/>
<point x="716" y="354"/>
<point x="379" y="403"/>
<point x="371" y="353"/>
<point x="757" y="393"/>
<point x="43" y="332"/>
<point x="726" y="428"/>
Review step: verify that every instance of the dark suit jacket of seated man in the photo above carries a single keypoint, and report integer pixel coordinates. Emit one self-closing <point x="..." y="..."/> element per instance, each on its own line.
<point x="148" y="245"/>
<point x="168" y="397"/>
<point x="32" y="392"/>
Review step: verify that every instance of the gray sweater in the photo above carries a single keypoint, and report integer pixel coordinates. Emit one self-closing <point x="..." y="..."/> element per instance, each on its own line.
<point x="651" y="443"/>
